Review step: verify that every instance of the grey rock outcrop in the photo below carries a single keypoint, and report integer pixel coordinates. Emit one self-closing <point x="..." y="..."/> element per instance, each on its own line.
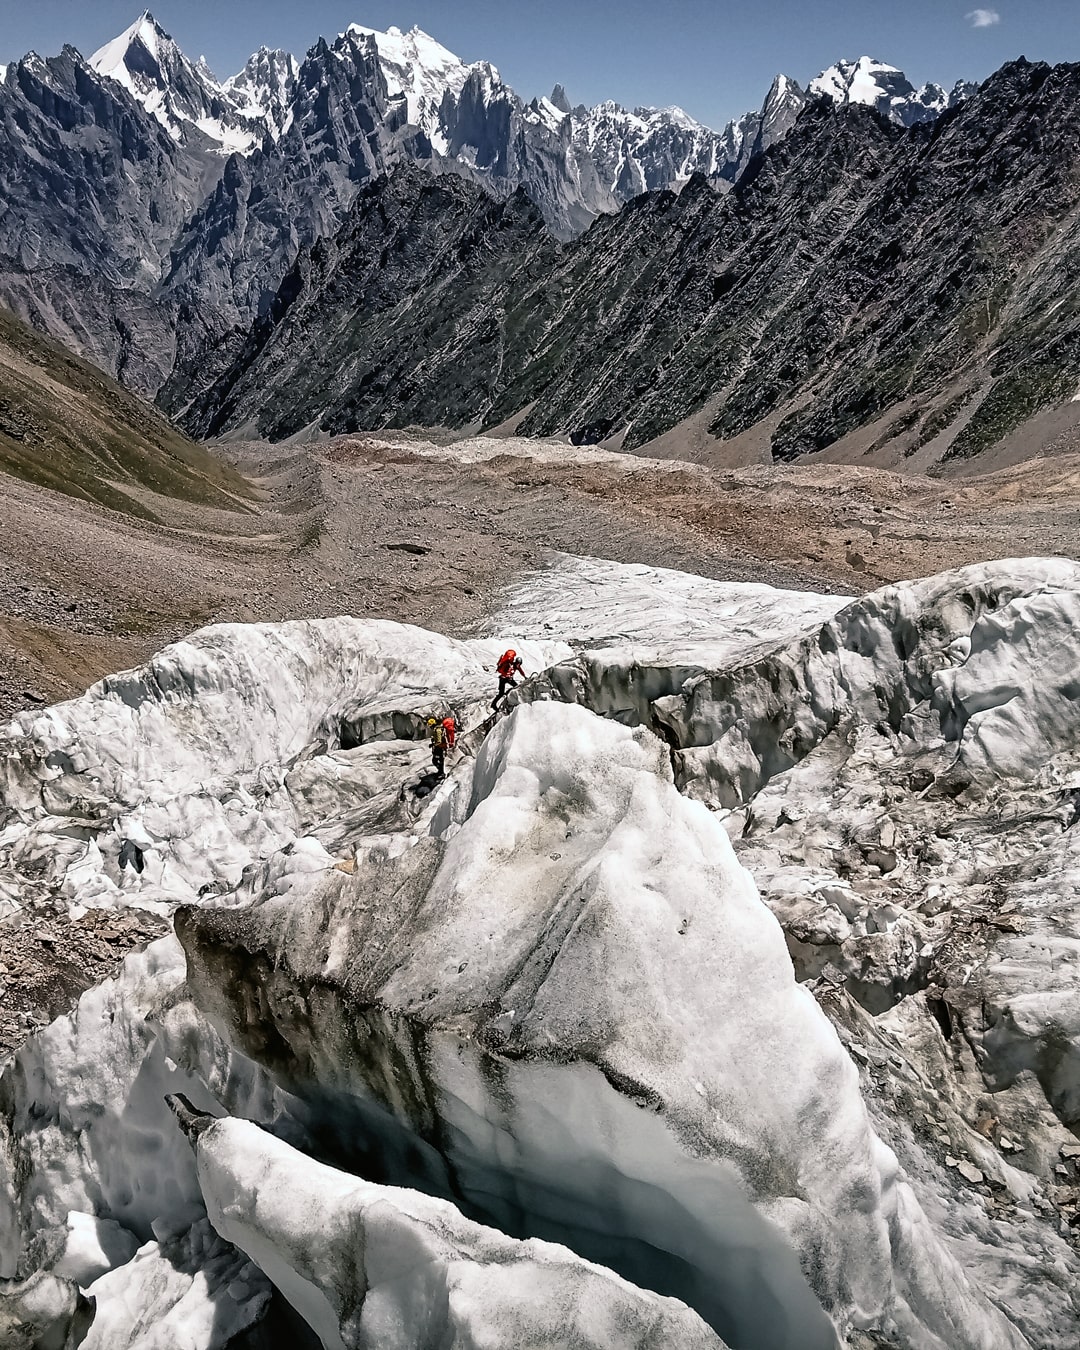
<point x="857" y="268"/>
<point x="151" y="212"/>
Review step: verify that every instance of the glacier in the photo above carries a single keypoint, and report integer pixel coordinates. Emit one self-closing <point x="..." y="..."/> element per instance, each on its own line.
<point x="724" y="993"/>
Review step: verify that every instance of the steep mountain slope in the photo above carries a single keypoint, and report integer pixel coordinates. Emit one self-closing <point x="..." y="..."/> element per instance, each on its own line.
<point x="152" y="211"/>
<point x="95" y="191"/>
<point x="66" y="426"/>
<point x="859" y="272"/>
<point x="409" y="305"/>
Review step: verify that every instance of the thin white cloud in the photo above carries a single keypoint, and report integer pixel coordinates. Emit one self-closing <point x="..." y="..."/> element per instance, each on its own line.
<point x="983" y="18"/>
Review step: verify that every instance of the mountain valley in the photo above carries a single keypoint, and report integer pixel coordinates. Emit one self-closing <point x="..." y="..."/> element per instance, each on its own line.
<point x="202" y="194"/>
<point x="539" y="738"/>
<point x="872" y="293"/>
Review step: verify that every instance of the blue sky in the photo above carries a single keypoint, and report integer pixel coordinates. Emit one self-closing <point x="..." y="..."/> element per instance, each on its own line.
<point x="713" y="57"/>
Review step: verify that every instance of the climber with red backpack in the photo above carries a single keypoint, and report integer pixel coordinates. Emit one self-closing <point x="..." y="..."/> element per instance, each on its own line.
<point x="507" y="668"/>
<point x="440" y="743"/>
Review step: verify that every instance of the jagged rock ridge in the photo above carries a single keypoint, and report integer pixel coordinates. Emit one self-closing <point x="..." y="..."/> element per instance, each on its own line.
<point x="919" y="280"/>
<point x="153" y="210"/>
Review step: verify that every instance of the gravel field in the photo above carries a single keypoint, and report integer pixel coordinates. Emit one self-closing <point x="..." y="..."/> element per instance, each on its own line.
<point x="398" y="527"/>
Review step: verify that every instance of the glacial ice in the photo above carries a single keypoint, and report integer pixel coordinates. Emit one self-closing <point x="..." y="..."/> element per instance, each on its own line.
<point x="93" y="1247"/>
<point x="192" y="1289"/>
<point x="547" y="994"/>
<point x="427" y="1275"/>
<point x="187" y="756"/>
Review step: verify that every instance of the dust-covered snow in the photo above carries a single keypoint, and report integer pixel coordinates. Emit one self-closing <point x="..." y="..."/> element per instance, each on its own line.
<point x="542" y="1001"/>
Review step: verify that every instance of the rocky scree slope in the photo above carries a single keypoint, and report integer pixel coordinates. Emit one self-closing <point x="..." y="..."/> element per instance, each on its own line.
<point x="150" y="209"/>
<point x="915" y="286"/>
<point x="66" y="425"/>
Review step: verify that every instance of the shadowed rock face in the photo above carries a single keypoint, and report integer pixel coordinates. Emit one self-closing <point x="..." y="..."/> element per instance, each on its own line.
<point x="430" y="255"/>
<point x="152" y="212"/>
<point x="857" y="268"/>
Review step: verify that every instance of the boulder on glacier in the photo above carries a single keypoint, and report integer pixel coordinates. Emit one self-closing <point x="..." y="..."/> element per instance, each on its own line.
<point x="370" y="1265"/>
<point x="578" y="933"/>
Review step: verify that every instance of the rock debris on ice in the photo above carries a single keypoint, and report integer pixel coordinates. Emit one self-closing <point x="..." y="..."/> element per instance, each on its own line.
<point x="542" y="1002"/>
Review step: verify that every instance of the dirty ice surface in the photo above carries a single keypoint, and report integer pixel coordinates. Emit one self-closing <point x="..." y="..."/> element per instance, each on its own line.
<point x="876" y="1068"/>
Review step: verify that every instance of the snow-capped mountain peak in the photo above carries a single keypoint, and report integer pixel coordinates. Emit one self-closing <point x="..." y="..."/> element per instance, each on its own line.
<point x="420" y="72"/>
<point x="547" y="113"/>
<point x="874" y="84"/>
<point x="145" y="60"/>
<point x="142" y="39"/>
<point x="176" y="91"/>
<point x="863" y="81"/>
<point x="594" y="158"/>
<point x="265" y="89"/>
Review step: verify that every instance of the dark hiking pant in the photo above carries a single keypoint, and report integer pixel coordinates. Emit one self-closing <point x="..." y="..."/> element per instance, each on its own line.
<point x="505" y="682"/>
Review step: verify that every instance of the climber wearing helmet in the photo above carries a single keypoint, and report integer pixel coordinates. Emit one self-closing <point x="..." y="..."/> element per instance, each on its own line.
<point x="440" y="740"/>
<point x="509" y="666"/>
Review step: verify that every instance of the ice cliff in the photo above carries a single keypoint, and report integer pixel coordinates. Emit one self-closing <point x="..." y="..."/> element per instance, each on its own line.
<point x="526" y="1049"/>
